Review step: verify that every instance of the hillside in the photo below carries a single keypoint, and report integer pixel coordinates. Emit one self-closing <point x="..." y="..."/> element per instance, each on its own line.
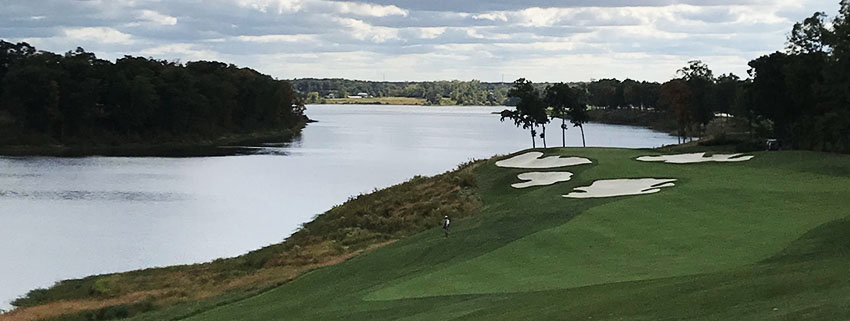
<point x="761" y="240"/>
<point x="765" y="239"/>
<point x="361" y="224"/>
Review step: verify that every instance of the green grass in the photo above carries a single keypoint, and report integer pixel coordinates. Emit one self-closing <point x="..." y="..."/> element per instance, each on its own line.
<point x="377" y="101"/>
<point x="761" y="240"/>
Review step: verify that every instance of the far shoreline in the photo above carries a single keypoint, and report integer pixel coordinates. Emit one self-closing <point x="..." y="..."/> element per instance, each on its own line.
<point x="246" y="144"/>
<point x="231" y="145"/>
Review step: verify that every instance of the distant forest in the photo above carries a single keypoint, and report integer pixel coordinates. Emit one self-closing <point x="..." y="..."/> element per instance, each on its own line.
<point x="800" y="95"/>
<point x="607" y="93"/>
<point x="469" y="93"/>
<point x="78" y="99"/>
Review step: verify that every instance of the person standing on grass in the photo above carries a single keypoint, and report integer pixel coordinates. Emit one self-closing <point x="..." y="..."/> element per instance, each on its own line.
<point x="446" y="223"/>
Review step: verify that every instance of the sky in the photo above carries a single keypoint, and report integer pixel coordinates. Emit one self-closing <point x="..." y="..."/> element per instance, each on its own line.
<point x="418" y="40"/>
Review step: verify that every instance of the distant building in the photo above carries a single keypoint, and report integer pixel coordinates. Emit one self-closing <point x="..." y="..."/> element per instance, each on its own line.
<point x="331" y="96"/>
<point x="360" y="95"/>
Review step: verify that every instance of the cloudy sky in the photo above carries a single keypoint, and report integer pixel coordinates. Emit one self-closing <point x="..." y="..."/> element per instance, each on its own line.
<point x="546" y="40"/>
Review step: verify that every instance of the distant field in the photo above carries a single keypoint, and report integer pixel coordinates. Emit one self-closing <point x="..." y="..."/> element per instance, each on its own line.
<point x="766" y="239"/>
<point x="378" y="101"/>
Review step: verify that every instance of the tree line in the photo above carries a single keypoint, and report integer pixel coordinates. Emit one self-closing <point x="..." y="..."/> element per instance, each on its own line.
<point x="800" y="96"/>
<point x="539" y="104"/>
<point x="76" y="98"/>
<point x="468" y="93"/>
<point x="804" y="92"/>
<point x="697" y="97"/>
<point x="536" y="109"/>
<point x="607" y="93"/>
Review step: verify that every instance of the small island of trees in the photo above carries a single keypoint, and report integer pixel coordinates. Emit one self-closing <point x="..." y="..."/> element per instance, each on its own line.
<point x="76" y="99"/>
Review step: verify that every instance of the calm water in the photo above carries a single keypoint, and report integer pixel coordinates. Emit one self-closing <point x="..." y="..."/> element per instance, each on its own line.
<point x="71" y="217"/>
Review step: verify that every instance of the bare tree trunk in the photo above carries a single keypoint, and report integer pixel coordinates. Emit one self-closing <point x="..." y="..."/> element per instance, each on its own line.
<point x="533" y="143"/>
<point x="543" y="135"/>
<point x="564" y="132"/>
<point x="583" y="144"/>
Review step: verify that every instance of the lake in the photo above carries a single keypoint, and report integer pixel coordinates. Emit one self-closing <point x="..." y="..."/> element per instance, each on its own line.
<point x="66" y="218"/>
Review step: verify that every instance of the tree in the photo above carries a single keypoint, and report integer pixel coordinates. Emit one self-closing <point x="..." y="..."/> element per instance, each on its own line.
<point x="724" y="93"/>
<point x="743" y="106"/>
<point x="700" y="80"/>
<point x="606" y="93"/>
<point x="76" y="98"/>
<point x="809" y="36"/>
<point x="557" y="96"/>
<point x="433" y="98"/>
<point x="676" y="96"/>
<point x="567" y="102"/>
<point x="839" y="38"/>
<point x="631" y="93"/>
<point x="696" y="69"/>
<point x="649" y="92"/>
<point x="31" y="93"/>
<point x="578" y="113"/>
<point x="312" y="98"/>
<point x="530" y="110"/>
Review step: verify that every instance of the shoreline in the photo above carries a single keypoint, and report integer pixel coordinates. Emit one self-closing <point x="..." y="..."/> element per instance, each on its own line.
<point x="230" y="145"/>
<point x="281" y="263"/>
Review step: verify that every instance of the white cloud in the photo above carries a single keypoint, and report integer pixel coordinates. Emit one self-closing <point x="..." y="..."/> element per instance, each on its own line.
<point x="98" y="34"/>
<point x="493" y="16"/>
<point x="476" y="33"/>
<point x="546" y="40"/>
<point x="338" y="7"/>
<point x="367" y="9"/>
<point x="431" y="32"/>
<point x="158" y="18"/>
<point x="364" y="31"/>
<point x="180" y="51"/>
<point x="276" y="6"/>
<point x="277" y="38"/>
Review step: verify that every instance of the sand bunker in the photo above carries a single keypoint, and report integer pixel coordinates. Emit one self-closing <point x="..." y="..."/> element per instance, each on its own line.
<point x="621" y="187"/>
<point x="696" y="158"/>
<point x="542" y="178"/>
<point x="533" y="160"/>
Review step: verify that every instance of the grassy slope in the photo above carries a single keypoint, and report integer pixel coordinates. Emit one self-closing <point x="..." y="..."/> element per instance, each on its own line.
<point x="362" y="223"/>
<point x="762" y="240"/>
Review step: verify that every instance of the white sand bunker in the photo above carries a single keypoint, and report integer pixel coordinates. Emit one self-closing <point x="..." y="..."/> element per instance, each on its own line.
<point x="621" y="187"/>
<point x="542" y="178"/>
<point x="533" y="160"/>
<point x="696" y="158"/>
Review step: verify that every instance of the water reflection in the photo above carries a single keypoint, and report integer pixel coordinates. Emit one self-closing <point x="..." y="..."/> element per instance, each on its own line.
<point x="96" y="196"/>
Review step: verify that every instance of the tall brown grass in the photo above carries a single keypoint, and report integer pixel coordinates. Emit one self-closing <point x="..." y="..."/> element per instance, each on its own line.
<point x="363" y="223"/>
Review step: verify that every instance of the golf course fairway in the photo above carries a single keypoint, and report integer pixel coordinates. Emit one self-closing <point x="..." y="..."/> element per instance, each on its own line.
<point x="764" y="239"/>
